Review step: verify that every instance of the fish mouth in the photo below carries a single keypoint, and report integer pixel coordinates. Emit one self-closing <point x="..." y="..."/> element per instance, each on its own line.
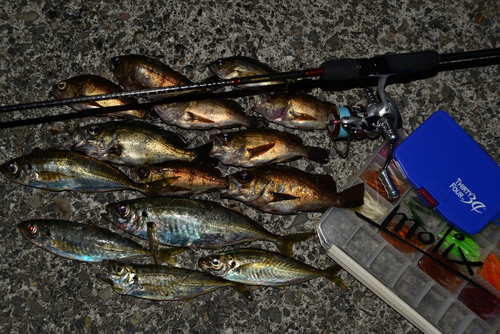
<point x="202" y="264"/>
<point x="216" y="144"/>
<point x="105" y="272"/>
<point x="269" y="114"/>
<point x="232" y="190"/>
<point x="79" y="139"/>
<point x="279" y="113"/>
<point x="55" y="93"/>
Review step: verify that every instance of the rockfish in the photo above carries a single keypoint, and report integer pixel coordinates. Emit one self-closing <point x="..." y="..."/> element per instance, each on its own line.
<point x="133" y="143"/>
<point x="207" y="114"/>
<point x="238" y="67"/>
<point x="288" y="190"/>
<point x="187" y="178"/>
<point x="293" y="110"/>
<point x="88" y="85"/>
<point x="250" y="148"/>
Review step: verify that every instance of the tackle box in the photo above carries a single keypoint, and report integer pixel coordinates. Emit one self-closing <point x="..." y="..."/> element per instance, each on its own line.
<point x="392" y="268"/>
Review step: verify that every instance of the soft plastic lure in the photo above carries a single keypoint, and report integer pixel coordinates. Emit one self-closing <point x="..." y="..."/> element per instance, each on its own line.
<point x="484" y="304"/>
<point x="445" y="277"/>
<point x="490" y="270"/>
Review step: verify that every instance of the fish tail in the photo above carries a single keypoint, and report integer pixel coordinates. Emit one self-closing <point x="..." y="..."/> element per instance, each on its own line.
<point x="243" y="290"/>
<point x="287" y="241"/>
<point x="256" y="122"/>
<point x="331" y="274"/>
<point x="317" y="154"/>
<point x="351" y="197"/>
<point x="166" y="255"/>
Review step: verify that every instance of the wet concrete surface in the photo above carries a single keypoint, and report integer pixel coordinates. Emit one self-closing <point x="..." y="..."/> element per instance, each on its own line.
<point x="48" y="41"/>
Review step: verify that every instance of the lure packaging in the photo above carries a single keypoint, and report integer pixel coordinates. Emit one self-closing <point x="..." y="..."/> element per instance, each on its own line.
<point x="451" y="173"/>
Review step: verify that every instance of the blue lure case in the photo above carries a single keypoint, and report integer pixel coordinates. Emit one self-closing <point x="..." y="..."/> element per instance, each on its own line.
<point x="451" y="173"/>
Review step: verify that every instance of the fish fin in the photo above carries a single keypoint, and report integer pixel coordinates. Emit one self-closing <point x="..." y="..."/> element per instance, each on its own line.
<point x="304" y="117"/>
<point x="331" y="273"/>
<point x="257" y="123"/>
<point x="317" y="154"/>
<point x="153" y="241"/>
<point x="158" y="187"/>
<point x="172" y="190"/>
<point x="166" y="255"/>
<point x="278" y="197"/>
<point x="198" y="119"/>
<point x="281" y="287"/>
<point x="327" y="181"/>
<point x="243" y="290"/>
<point x="259" y="150"/>
<point x="287" y="241"/>
<point x="94" y="104"/>
<point x="352" y="197"/>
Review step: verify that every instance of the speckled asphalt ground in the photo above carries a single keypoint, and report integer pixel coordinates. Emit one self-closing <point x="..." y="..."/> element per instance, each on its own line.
<point x="44" y="42"/>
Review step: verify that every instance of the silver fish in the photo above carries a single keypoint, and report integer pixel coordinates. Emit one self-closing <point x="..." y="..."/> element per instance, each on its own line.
<point x="161" y="282"/>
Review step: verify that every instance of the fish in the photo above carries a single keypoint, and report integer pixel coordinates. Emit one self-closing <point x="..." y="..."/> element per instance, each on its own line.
<point x="193" y="223"/>
<point x="88" y="243"/>
<point x="293" y="110"/>
<point x="69" y="170"/>
<point x="136" y="72"/>
<point x="89" y="85"/>
<point x="288" y="190"/>
<point x="133" y="143"/>
<point x="161" y="282"/>
<point x="239" y="67"/>
<point x="265" y="268"/>
<point x="187" y="178"/>
<point x="256" y="147"/>
<point x="207" y="114"/>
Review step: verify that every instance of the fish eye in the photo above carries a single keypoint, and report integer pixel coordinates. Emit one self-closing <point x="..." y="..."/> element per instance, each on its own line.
<point x="143" y="172"/>
<point x="119" y="269"/>
<point x="116" y="61"/>
<point x="124" y="210"/>
<point x="61" y="85"/>
<point x="215" y="263"/>
<point x="31" y="228"/>
<point x="94" y="130"/>
<point x="226" y="137"/>
<point x="244" y="177"/>
<point x="219" y="62"/>
<point x="272" y="95"/>
<point x="13" y="168"/>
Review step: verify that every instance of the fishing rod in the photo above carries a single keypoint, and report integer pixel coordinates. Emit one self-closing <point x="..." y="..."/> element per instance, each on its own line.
<point x="333" y="70"/>
<point x="380" y="117"/>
